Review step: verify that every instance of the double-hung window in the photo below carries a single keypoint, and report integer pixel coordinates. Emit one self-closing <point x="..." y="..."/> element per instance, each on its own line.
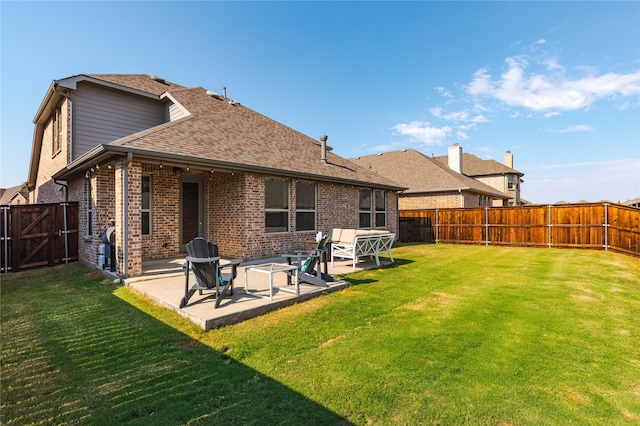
<point x="381" y="209"/>
<point x="146" y="205"/>
<point x="365" y="208"/>
<point x="276" y="202"/>
<point x="373" y="209"/>
<point x="305" y="206"/>
<point x="511" y="184"/>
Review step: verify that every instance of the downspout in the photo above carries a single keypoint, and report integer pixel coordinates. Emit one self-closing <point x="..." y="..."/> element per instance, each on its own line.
<point x="461" y="198"/>
<point x="66" y="228"/>
<point x="125" y="222"/>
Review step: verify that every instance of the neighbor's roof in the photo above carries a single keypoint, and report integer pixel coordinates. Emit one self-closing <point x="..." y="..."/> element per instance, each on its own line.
<point x="223" y="134"/>
<point x="10" y="193"/>
<point x="475" y="166"/>
<point x="422" y="174"/>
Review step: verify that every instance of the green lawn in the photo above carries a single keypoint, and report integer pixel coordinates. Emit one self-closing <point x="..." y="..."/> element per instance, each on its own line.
<point x="447" y="335"/>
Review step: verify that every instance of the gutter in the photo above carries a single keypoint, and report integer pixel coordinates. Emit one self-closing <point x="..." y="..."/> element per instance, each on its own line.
<point x="102" y="152"/>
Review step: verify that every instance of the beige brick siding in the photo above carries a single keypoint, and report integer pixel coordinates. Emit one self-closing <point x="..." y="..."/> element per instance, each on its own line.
<point x="429" y="201"/>
<point x="46" y="190"/>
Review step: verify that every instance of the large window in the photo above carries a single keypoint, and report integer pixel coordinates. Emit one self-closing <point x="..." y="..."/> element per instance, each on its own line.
<point x="305" y="206"/>
<point x="381" y="209"/>
<point x="276" y="202"/>
<point x="146" y="205"/>
<point x="373" y="205"/>
<point x="365" y="208"/>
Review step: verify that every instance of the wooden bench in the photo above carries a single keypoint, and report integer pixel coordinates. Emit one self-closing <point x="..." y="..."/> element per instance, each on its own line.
<point x="354" y="244"/>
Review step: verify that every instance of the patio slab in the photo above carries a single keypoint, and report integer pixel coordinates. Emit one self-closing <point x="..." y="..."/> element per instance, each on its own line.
<point x="163" y="281"/>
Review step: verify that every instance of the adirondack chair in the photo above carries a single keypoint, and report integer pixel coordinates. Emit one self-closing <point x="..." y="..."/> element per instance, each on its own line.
<point x="204" y="262"/>
<point x="308" y="263"/>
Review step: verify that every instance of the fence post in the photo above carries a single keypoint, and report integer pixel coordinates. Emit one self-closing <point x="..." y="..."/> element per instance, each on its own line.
<point x="5" y="238"/>
<point x="437" y="226"/>
<point x="66" y="233"/>
<point x="550" y="243"/>
<point x="606" y="226"/>
<point x="486" y="226"/>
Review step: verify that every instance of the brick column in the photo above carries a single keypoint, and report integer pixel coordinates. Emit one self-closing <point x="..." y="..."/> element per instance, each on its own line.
<point x="134" y="220"/>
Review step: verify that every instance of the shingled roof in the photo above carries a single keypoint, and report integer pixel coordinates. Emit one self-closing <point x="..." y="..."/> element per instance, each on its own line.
<point x="475" y="166"/>
<point x="422" y="174"/>
<point x="223" y="134"/>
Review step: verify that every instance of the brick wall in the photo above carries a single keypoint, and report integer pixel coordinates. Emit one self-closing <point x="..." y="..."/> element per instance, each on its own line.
<point x="438" y="200"/>
<point x="46" y="190"/>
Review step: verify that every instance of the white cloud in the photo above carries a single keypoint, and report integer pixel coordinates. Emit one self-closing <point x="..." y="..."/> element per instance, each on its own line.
<point x="540" y="92"/>
<point x="551" y="114"/>
<point x="462" y="135"/>
<point x="444" y="92"/>
<point x="572" y="129"/>
<point x="422" y="131"/>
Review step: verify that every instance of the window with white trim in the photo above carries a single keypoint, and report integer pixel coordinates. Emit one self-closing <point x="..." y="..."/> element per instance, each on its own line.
<point x="305" y="206"/>
<point x="146" y="205"/>
<point x="276" y="202"/>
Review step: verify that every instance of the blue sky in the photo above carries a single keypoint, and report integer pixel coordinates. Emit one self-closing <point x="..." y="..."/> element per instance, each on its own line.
<point x="556" y="83"/>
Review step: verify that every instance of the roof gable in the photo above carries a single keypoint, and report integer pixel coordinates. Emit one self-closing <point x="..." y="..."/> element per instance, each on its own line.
<point x="422" y="174"/>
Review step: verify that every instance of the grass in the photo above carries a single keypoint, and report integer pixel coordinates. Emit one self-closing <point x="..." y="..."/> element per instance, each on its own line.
<point x="448" y="335"/>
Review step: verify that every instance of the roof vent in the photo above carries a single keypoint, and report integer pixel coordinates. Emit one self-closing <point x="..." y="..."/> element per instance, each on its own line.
<point x="158" y="79"/>
<point x="213" y="94"/>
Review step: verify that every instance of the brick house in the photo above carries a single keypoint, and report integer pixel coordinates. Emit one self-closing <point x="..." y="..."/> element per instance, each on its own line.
<point x="15" y="195"/>
<point x="167" y="163"/>
<point x="502" y="177"/>
<point x="430" y="183"/>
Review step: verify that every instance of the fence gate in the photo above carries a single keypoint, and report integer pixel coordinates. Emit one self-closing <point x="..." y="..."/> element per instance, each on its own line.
<point x="38" y="235"/>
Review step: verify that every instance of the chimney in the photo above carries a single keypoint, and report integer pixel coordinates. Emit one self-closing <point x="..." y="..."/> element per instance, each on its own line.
<point x="455" y="158"/>
<point x="508" y="159"/>
<point x="323" y="148"/>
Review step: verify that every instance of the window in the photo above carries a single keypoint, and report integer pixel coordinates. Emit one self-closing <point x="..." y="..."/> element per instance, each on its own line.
<point x="89" y="209"/>
<point x="276" y="202"/>
<point x="381" y="209"/>
<point x="146" y="205"/>
<point x="510" y="181"/>
<point x="56" y="144"/>
<point x="305" y="206"/>
<point x="365" y="208"/>
<point x="484" y="201"/>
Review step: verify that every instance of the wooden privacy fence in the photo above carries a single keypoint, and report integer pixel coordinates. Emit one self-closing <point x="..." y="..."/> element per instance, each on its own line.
<point x="38" y="235"/>
<point x="591" y="226"/>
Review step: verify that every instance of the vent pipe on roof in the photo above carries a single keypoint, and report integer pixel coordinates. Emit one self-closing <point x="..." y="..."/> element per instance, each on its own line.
<point x="323" y="148"/>
<point x="224" y="92"/>
<point x="455" y="158"/>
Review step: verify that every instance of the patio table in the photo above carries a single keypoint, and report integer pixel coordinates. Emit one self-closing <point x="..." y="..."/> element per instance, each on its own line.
<point x="270" y="269"/>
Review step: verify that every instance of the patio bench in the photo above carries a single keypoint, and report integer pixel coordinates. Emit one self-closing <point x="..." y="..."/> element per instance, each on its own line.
<point x="354" y="244"/>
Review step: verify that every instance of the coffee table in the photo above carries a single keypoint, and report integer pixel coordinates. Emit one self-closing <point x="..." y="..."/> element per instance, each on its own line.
<point x="270" y="269"/>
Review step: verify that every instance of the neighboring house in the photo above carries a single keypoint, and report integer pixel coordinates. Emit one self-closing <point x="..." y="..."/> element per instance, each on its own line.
<point x="632" y="203"/>
<point x="502" y="177"/>
<point x="430" y="183"/>
<point x="168" y="163"/>
<point x="15" y="195"/>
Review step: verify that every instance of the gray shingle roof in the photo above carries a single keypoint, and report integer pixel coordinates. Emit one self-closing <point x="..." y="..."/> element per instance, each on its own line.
<point x="420" y="173"/>
<point x="227" y="134"/>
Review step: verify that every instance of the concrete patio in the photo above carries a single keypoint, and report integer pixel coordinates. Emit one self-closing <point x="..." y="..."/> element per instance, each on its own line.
<point x="163" y="281"/>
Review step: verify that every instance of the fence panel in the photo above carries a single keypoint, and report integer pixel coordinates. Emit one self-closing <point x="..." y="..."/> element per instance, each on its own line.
<point x="591" y="226"/>
<point x="36" y="235"/>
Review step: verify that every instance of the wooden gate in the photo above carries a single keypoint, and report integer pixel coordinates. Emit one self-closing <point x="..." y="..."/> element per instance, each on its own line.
<point x="38" y="235"/>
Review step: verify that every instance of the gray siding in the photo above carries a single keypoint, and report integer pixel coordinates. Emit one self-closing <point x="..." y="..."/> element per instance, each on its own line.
<point x="176" y="112"/>
<point x="101" y="115"/>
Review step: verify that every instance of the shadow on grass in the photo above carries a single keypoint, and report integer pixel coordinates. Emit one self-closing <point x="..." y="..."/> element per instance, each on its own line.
<point x="354" y="281"/>
<point x="73" y="352"/>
